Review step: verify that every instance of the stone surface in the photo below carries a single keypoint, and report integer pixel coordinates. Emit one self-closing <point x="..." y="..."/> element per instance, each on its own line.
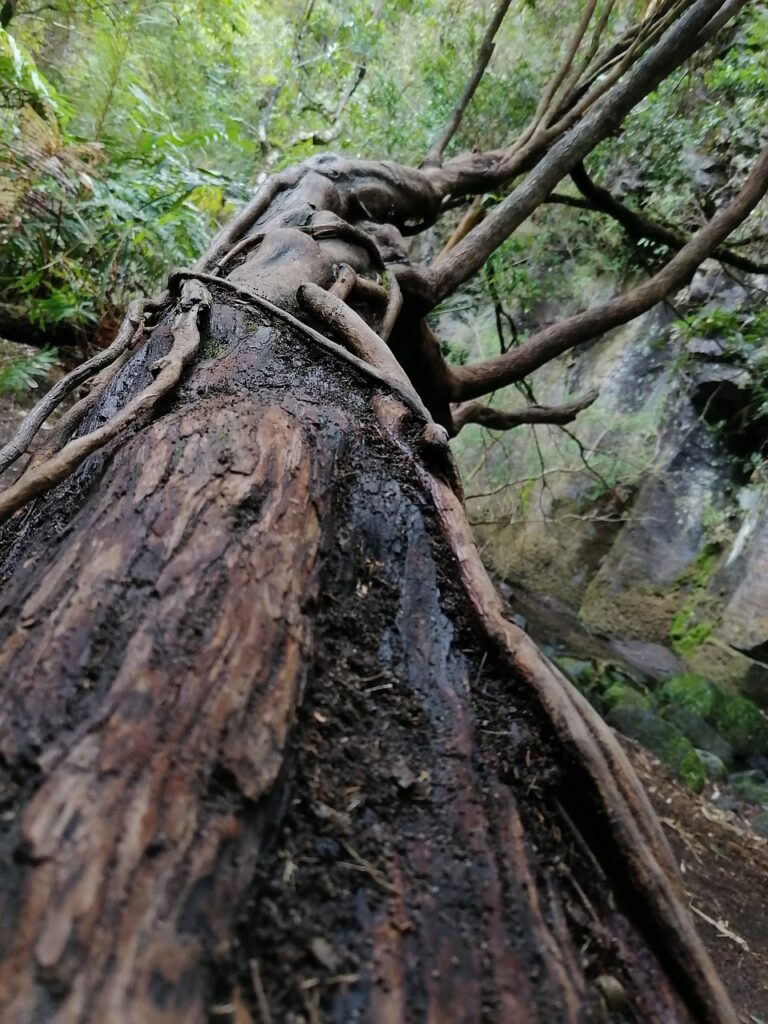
<point x="663" y="740"/>
<point x="713" y="766"/>
<point x="666" y="543"/>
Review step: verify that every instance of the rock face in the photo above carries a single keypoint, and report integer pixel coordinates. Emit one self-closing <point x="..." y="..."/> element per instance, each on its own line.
<point x="656" y="528"/>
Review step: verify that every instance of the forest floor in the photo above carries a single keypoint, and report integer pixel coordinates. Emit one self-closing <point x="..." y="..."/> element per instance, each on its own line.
<point x="725" y="872"/>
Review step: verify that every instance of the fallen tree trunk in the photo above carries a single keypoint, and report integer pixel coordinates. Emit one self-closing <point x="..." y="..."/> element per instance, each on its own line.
<point x="270" y="749"/>
<point x="272" y="752"/>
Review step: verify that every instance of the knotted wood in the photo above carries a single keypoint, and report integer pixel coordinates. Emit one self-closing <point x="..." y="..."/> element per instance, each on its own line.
<point x="261" y="755"/>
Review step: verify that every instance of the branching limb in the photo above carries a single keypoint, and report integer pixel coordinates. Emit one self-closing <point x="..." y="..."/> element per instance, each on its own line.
<point x="186" y="341"/>
<point x="130" y="328"/>
<point x="497" y="419"/>
<point x="675" y="46"/>
<point x="638" y="225"/>
<point x="435" y="152"/>
<point x="480" y="379"/>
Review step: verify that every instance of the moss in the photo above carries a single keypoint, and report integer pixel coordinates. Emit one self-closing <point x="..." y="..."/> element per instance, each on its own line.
<point x="743" y="724"/>
<point x="689" y="629"/>
<point x="696" y="693"/>
<point x="738" y="720"/>
<point x="726" y="666"/>
<point x="524" y="497"/>
<point x="621" y="695"/>
<point x="692" y="771"/>
<point x="685" y="638"/>
<point x="663" y="740"/>
<point x="582" y="673"/>
<point x="701" y="734"/>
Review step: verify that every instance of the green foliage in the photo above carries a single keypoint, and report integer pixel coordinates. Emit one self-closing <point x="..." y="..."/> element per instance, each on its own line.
<point x="737" y="719"/>
<point x="19" y="374"/>
<point x="21" y="83"/>
<point x="133" y="128"/>
<point x="738" y="331"/>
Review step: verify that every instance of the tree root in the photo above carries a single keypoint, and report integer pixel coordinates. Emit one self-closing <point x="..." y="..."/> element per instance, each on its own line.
<point x="635" y="829"/>
<point x="186" y="341"/>
<point x="394" y="306"/>
<point x="72" y="419"/>
<point x="361" y="339"/>
<point x="129" y="332"/>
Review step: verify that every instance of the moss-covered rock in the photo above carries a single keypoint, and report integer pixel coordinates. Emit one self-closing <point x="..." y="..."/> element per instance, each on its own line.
<point x="663" y="740"/>
<point x="713" y="766"/>
<point x="620" y="695"/>
<point x="581" y="672"/>
<point x="750" y="786"/>
<point x="760" y="825"/>
<point x="693" y="692"/>
<point x="736" y="719"/>
<point x="701" y="734"/>
<point x="743" y="724"/>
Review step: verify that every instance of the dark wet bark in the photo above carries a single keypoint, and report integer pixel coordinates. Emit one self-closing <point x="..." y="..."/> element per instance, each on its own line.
<point x="270" y="749"/>
<point x="267" y="740"/>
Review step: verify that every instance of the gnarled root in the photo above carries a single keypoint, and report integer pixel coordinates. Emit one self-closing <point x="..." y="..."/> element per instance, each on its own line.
<point x="195" y="299"/>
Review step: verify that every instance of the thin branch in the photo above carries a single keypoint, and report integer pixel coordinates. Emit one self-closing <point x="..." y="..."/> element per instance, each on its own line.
<point x="567" y="64"/>
<point x="327" y="135"/>
<point x="435" y="152"/>
<point x="497" y="419"/>
<point x="479" y="379"/>
<point x="638" y="225"/>
<point x="678" y="43"/>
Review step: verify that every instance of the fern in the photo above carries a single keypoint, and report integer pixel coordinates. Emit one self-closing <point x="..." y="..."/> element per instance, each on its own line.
<point x="22" y="373"/>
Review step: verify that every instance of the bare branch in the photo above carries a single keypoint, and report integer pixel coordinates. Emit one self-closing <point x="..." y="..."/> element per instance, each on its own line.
<point x="498" y="419"/>
<point x="479" y="379"/>
<point x="322" y="138"/>
<point x="638" y="225"/>
<point x="435" y="152"/>
<point x="675" y="46"/>
<point x="567" y="64"/>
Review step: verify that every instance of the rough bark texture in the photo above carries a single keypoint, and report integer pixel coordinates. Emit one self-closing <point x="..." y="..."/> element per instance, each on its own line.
<point x="270" y="749"/>
<point x="267" y="747"/>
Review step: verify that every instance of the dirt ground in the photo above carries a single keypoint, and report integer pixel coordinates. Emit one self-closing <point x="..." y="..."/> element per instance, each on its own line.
<point x="725" y="871"/>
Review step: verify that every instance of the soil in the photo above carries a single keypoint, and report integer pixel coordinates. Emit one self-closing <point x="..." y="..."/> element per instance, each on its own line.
<point x="725" y="873"/>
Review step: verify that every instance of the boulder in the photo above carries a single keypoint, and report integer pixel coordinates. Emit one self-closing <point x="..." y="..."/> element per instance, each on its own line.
<point x="663" y="740"/>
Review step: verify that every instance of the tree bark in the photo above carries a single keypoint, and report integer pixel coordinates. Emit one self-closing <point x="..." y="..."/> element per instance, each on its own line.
<point x="271" y="751"/>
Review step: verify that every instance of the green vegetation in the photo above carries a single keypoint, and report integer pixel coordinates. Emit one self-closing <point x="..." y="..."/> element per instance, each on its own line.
<point x="689" y="723"/>
<point x="131" y="129"/>
<point x="19" y="374"/>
